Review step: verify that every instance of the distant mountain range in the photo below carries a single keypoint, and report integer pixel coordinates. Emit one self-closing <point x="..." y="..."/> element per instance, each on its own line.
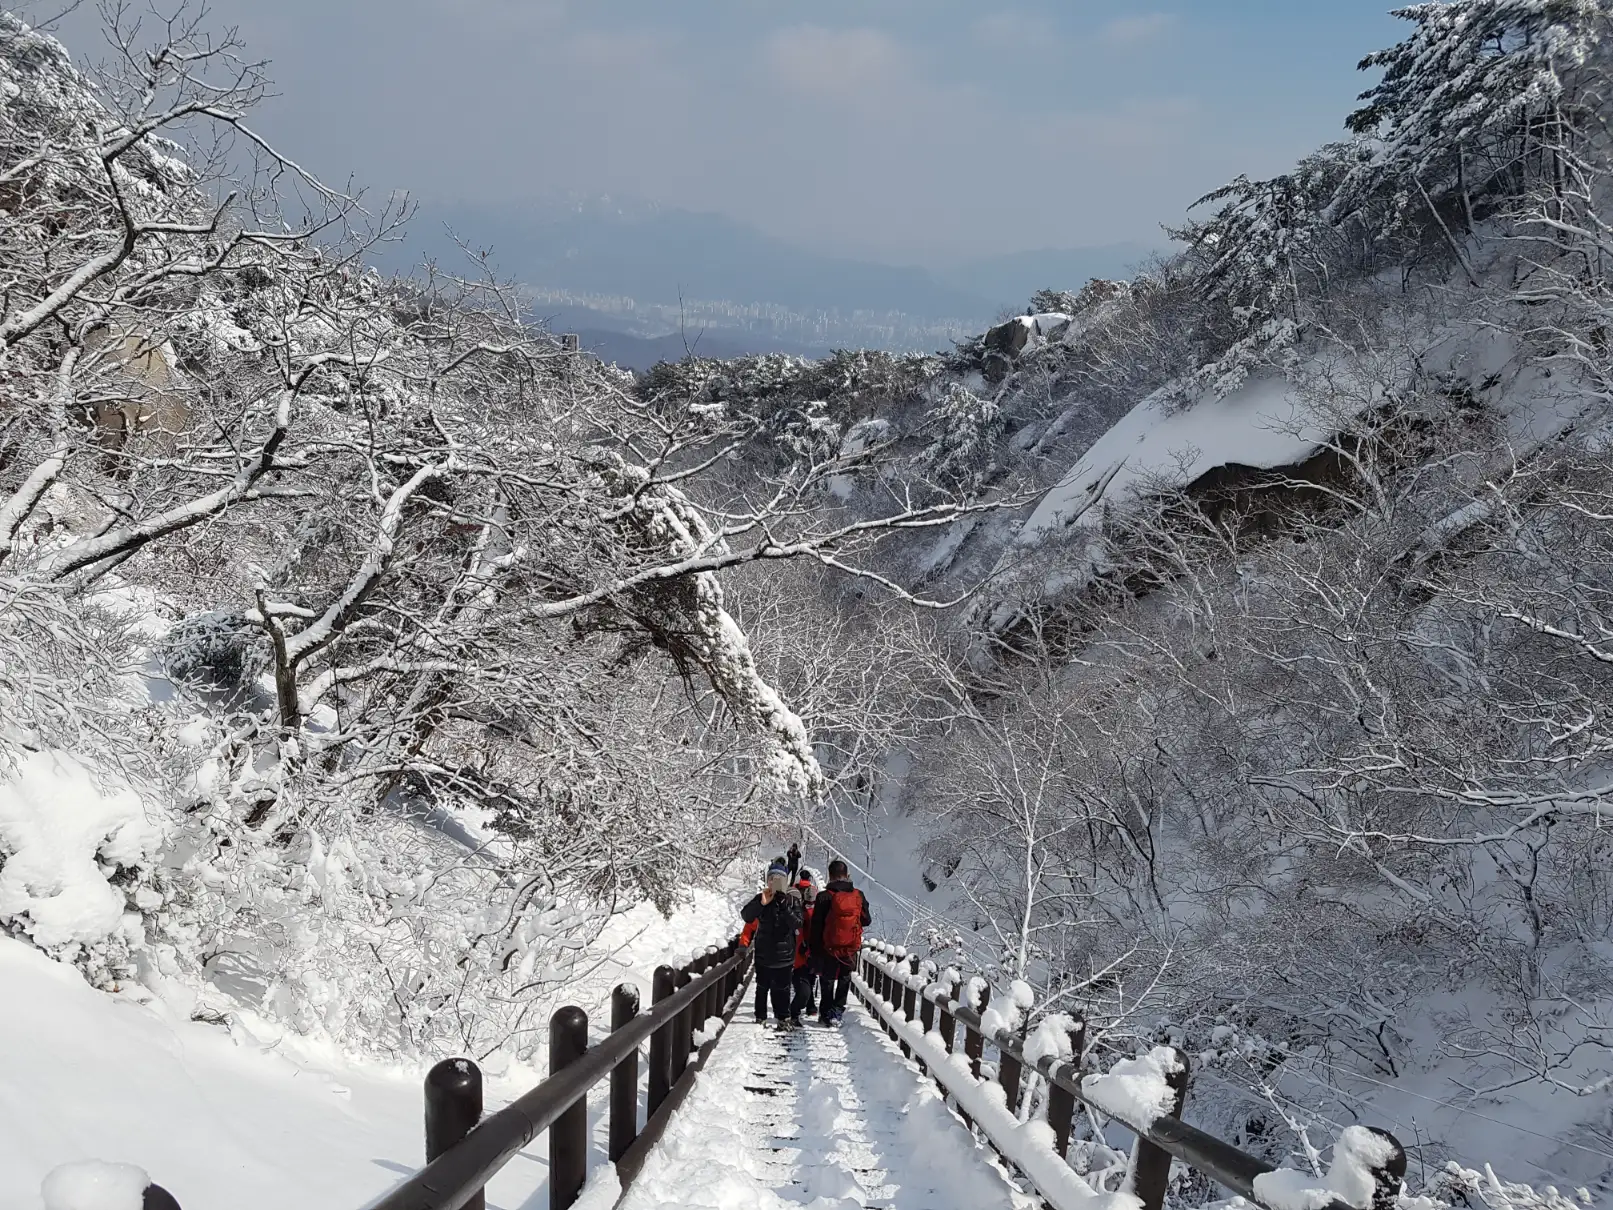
<point x="629" y="265"/>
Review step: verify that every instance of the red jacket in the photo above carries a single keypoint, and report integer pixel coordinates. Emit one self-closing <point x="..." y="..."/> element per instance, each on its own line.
<point x="748" y="933"/>
<point x="803" y="952"/>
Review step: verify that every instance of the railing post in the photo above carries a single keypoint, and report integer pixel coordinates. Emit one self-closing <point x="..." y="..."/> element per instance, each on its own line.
<point x="1010" y="1070"/>
<point x="156" y="1197"/>
<point x="973" y="1040"/>
<point x="624" y="1080"/>
<point x="661" y="1041"/>
<point x="568" y="1137"/>
<point x="908" y="995"/>
<point x="1060" y="1101"/>
<point x="453" y="1107"/>
<point x="1150" y="1164"/>
<point x="949" y="1035"/>
<point x="682" y="1031"/>
<point x="697" y="1007"/>
<point x="709" y="1000"/>
<point x="730" y="981"/>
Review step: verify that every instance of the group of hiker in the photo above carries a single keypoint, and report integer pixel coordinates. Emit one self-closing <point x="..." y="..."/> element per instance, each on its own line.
<point x="806" y="942"/>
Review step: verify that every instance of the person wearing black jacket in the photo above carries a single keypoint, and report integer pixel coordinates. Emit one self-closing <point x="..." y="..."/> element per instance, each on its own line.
<point x="778" y="915"/>
<point x="794" y="856"/>
<point x="838" y="918"/>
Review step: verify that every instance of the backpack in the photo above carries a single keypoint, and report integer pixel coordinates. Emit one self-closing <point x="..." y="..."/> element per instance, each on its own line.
<point x="843" y="929"/>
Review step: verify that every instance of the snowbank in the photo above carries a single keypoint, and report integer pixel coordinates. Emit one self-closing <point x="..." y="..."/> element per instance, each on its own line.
<point x="91" y="1076"/>
<point x="61" y="834"/>
<point x="256" y="1117"/>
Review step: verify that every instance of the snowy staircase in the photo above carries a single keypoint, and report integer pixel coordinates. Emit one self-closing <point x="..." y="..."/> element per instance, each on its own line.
<point x="781" y="1119"/>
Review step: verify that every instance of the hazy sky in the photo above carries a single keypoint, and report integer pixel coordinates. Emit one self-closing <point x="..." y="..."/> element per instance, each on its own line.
<point x="902" y="130"/>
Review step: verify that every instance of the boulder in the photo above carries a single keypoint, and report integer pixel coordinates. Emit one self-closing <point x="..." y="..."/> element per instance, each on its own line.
<point x="1009" y="339"/>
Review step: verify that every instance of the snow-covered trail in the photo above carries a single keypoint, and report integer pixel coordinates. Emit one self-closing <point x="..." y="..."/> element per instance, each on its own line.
<point x="828" y="1119"/>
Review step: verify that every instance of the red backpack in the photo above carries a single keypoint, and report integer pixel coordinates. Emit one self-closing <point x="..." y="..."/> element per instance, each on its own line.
<point x="843" y="928"/>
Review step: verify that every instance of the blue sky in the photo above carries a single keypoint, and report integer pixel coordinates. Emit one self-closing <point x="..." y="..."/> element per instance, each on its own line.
<point x="902" y="130"/>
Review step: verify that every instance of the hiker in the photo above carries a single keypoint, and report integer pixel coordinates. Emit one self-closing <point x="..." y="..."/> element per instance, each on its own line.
<point x="777" y="912"/>
<point x="838" y="919"/>
<point x="795" y="859"/>
<point x="805" y="999"/>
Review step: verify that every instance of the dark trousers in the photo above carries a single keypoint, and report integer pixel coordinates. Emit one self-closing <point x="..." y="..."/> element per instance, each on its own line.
<point x="774" y="982"/>
<point x="836" y="985"/>
<point x="805" y="983"/>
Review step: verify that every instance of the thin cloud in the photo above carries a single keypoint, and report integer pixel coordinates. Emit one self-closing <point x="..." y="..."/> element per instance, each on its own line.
<point x="833" y="63"/>
<point x="1015" y="31"/>
<point x="1144" y="27"/>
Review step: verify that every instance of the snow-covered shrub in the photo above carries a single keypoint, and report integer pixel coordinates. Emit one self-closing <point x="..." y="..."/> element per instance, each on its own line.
<point x="215" y="652"/>
<point x="77" y="852"/>
<point x="961" y="455"/>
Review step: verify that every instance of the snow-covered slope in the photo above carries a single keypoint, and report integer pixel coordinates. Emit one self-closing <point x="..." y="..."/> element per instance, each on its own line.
<point x="250" y="1115"/>
<point x="1159" y="446"/>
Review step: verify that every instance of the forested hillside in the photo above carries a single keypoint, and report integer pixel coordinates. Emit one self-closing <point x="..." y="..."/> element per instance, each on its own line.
<point x="1275" y="716"/>
<point x="1231" y="645"/>
<point x="361" y="648"/>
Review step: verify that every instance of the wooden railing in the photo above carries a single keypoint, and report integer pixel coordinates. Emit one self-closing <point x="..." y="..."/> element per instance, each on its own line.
<point x="464" y="1151"/>
<point x="920" y="1009"/>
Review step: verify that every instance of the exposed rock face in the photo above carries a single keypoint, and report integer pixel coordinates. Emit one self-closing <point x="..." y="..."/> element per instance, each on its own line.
<point x="1009" y="339"/>
<point x="146" y="394"/>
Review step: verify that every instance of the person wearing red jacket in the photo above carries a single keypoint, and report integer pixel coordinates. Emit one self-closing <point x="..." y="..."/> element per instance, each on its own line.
<point x="806" y="977"/>
<point x="746" y="936"/>
<point x="836" y="937"/>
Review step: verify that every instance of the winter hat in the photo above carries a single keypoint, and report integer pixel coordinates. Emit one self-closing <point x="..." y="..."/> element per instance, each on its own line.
<point x="778" y="867"/>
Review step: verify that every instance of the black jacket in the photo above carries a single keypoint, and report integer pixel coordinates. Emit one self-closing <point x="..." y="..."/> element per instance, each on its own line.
<point x="780" y="922"/>
<point x="820" y="912"/>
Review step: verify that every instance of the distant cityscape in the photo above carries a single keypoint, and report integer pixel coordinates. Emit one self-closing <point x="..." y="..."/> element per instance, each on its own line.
<point x="763" y="324"/>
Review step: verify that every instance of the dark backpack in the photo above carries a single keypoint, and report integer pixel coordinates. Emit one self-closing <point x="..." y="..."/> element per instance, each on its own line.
<point x="843" y="927"/>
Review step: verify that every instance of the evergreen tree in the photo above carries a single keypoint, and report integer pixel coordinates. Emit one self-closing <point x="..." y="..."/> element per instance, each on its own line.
<point x="1482" y="100"/>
